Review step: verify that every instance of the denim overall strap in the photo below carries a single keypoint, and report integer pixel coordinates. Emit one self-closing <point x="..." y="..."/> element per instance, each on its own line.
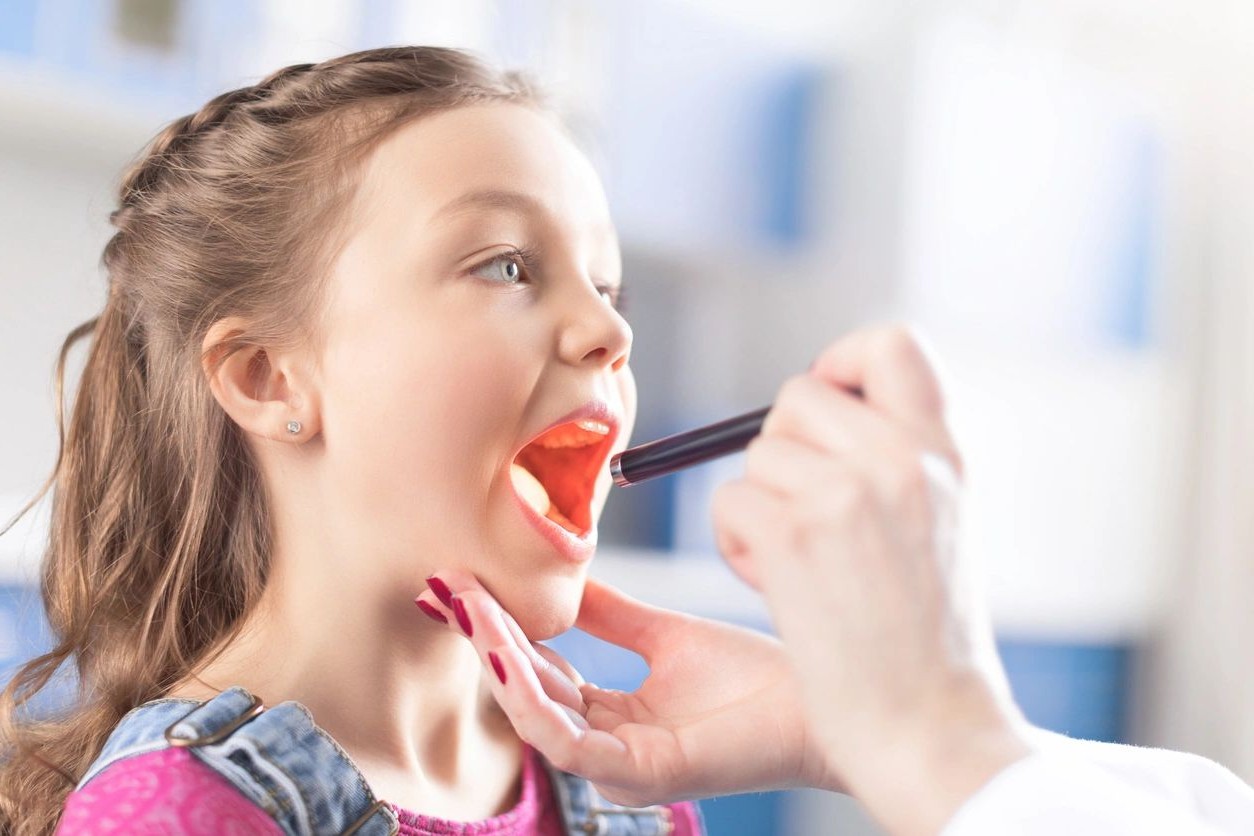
<point x="134" y="733"/>
<point x="586" y="813"/>
<point x="278" y="758"/>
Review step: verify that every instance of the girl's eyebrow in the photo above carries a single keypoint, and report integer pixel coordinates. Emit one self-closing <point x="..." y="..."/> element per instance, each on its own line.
<point x="506" y="199"/>
<point x="491" y="199"/>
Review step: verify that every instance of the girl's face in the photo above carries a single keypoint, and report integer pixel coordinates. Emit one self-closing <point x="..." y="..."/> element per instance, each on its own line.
<point x="472" y="308"/>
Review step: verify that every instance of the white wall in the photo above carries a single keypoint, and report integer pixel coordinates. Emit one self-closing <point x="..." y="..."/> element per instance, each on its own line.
<point x="62" y="147"/>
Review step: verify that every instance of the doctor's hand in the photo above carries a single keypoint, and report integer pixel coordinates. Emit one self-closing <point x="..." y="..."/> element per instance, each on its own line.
<point x="846" y="520"/>
<point x="719" y="712"/>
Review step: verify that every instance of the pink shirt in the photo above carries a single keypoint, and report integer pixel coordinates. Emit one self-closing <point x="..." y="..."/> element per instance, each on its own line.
<point x="170" y="791"/>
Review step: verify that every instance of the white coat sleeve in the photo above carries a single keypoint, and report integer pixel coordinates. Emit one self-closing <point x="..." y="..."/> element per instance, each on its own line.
<point x="1085" y="788"/>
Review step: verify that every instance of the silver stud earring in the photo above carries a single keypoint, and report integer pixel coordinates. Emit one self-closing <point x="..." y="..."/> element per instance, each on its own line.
<point x="293" y="427"/>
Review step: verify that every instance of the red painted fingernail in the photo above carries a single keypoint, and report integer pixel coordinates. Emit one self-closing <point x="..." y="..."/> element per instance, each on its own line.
<point x="431" y="611"/>
<point x="459" y="610"/>
<point x="497" y="666"/>
<point x="441" y="590"/>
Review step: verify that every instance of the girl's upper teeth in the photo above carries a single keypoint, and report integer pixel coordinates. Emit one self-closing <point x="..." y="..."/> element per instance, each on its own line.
<point x="579" y="434"/>
<point x="593" y="426"/>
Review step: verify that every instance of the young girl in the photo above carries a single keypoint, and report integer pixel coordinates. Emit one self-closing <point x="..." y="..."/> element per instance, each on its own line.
<point x="342" y="304"/>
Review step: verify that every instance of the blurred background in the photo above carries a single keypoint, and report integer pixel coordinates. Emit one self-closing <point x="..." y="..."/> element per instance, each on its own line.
<point x="1058" y="193"/>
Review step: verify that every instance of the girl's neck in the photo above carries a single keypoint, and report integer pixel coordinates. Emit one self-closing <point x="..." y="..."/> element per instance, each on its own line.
<point x="404" y="697"/>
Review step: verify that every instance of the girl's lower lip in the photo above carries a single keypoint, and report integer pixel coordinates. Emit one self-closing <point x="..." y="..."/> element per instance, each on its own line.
<point x="577" y="549"/>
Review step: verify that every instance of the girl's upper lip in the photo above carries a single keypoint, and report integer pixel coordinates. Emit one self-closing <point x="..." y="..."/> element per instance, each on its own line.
<point x="593" y="410"/>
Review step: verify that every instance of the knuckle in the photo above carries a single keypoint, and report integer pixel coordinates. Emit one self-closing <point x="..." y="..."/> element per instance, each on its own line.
<point x="756" y="445"/>
<point x="900" y="341"/>
<point x="793" y="388"/>
<point x="785" y="402"/>
<point x="794" y="535"/>
<point x="813" y="525"/>
<point x="904" y="348"/>
<point x="757" y="454"/>
<point x="810" y="531"/>
<point x="733" y="495"/>
<point x="851" y="497"/>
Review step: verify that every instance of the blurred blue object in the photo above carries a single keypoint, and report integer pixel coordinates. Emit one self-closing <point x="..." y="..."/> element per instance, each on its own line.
<point x="1080" y="690"/>
<point x="17" y="26"/>
<point x="753" y="814"/>
<point x="789" y="118"/>
<point x="23" y="629"/>
<point x="608" y="665"/>
<point x="24" y="634"/>
<point x="708" y="129"/>
<point x="693" y="525"/>
<point x="1132" y="271"/>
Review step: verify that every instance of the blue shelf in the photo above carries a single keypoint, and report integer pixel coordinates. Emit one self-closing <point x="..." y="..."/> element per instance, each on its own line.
<point x="1080" y="690"/>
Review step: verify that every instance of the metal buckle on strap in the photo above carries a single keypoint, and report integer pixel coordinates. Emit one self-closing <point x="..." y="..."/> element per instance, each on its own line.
<point x="252" y="711"/>
<point x="365" y="817"/>
<point x="597" y="825"/>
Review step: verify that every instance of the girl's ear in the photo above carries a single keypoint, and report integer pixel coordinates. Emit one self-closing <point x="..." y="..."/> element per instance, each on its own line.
<point x="267" y="394"/>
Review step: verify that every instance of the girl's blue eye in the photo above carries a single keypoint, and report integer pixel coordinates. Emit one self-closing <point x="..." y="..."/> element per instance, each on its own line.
<point x="505" y="267"/>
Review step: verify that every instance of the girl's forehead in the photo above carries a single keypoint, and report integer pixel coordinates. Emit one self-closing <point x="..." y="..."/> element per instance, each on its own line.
<point x="438" y="165"/>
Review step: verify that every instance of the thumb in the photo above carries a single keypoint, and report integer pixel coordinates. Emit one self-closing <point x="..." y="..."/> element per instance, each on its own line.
<point x="616" y="617"/>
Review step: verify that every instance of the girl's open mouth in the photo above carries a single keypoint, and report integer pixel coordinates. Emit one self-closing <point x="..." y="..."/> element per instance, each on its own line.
<point x="557" y="473"/>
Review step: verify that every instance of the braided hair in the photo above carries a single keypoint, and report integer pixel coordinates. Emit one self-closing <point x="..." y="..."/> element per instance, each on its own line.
<point x="160" y="536"/>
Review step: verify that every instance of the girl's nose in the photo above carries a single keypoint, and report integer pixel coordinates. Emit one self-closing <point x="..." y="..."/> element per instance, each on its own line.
<point x="593" y="332"/>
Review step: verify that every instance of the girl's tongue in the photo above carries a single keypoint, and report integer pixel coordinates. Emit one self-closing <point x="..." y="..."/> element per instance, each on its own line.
<point x="534" y="494"/>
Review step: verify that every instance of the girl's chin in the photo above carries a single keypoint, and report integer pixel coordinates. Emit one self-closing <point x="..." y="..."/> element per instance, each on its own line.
<point x="545" y="609"/>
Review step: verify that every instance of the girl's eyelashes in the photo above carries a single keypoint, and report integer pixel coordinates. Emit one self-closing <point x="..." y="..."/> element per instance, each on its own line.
<point x="507" y="267"/>
<point x="513" y="266"/>
<point x="617" y="296"/>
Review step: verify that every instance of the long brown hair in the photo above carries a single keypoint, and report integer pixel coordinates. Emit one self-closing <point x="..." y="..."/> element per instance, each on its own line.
<point x="160" y="529"/>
